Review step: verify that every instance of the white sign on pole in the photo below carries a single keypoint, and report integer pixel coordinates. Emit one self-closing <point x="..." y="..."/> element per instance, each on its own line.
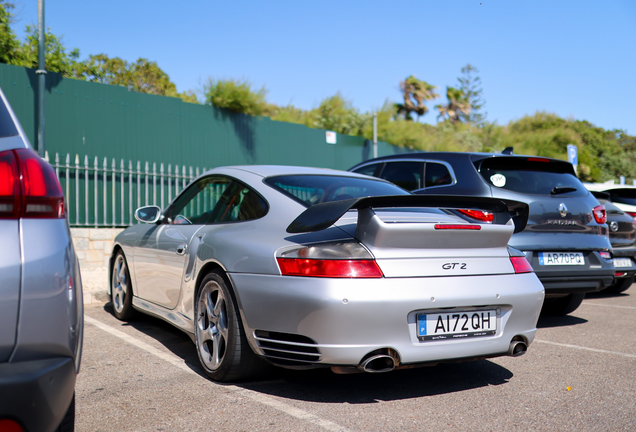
<point x="331" y="137"/>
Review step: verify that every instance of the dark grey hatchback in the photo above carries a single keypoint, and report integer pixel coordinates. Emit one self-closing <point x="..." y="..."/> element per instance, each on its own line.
<point x="566" y="237"/>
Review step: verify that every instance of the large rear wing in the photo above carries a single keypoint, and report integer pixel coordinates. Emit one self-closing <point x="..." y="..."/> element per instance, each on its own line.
<point x="321" y="216"/>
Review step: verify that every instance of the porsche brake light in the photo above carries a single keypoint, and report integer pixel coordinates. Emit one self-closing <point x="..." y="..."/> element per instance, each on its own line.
<point x="481" y="216"/>
<point x="600" y="215"/>
<point x="520" y="264"/>
<point x="346" y="259"/>
<point x="29" y="187"/>
<point x="457" y="227"/>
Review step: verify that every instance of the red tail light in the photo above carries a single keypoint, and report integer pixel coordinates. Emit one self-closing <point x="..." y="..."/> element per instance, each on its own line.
<point x="329" y="268"/>
<point x="600" y="216"/>
<point x="536" y="159"/>
<point x="632" y="214"/>
<point x="482" y="216"/>
<point x="520" y="264"/>
<point x="28" y="187"/>
<point x="457" y="226"/>
<point x="7" y="425"/>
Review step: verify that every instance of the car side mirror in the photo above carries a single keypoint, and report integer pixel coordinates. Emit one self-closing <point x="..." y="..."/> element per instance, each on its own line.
<point x="148" y="214"/>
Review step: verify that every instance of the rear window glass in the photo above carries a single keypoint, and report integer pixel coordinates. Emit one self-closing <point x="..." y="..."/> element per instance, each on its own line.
<point x="623" y="196"/>
<point x="532" y="176"/>
<point x="314" y="189"/>
<point x="7" y="127"/>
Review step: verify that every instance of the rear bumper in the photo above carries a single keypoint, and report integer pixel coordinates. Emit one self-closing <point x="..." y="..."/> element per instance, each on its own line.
<point x="566" y="284"/>
<point x="559" y="280"/>
<point x="37" y="393"/>
<point x="339" y="321"/>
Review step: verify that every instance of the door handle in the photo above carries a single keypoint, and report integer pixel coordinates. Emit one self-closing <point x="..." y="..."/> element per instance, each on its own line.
<point x="181" y="249"/>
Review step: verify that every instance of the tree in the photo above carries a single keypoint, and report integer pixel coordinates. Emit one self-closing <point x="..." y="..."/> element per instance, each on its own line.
<point x="457" y="105"/>
<point x="237" y="96"/>
<point x="470" y="84"/>
<point x="415" y="93"/>
<point x="337" y="114"/>
<point x="143" y="76"/>
<point x="55" y="56"/>
<point x="9" y="44"/>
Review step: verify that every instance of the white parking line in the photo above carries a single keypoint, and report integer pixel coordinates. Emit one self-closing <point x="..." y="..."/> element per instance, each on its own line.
<point x="255" y="396"/>
<point x="607" y="305"/>
<point x="586" y="348"/>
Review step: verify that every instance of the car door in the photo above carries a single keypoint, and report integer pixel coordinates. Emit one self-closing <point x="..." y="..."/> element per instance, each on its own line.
<point x="163" y="253"/>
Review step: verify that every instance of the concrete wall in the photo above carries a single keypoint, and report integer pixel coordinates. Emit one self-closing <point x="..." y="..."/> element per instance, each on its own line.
<point x="93" y="247"/>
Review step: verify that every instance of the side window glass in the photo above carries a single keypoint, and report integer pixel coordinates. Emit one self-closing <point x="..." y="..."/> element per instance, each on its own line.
<point x="242" y="204"/>
<point x="437" y="175"/>
<point x="407" y="175"/>
<point x="370" y="170"/>
<point x="198" y="203"/>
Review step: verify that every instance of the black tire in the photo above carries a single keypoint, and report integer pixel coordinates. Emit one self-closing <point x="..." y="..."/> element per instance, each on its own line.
<point x="68" y="422"/>
<point x="222" y="346"/>
<point x="562" y="305"/>
<point x="121" y="290"/>
<point x="619" y="286"/>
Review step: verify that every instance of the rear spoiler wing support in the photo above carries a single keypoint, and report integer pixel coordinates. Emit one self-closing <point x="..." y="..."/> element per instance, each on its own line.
<point x="321" y="216"/>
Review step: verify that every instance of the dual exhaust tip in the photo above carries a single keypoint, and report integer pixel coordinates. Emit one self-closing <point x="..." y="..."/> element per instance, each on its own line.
<point x="387" y="359"/>
<point x="518" y="347"/>
<point x="379" y="361"/>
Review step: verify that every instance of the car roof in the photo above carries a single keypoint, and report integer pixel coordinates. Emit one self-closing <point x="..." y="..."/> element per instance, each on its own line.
<point x="446" y="156"/>
<point x="606" y="186"/>
<point x="271" y="170"/>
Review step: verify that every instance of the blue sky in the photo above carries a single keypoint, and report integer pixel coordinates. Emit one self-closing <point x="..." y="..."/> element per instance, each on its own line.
<point x="573" y="58"/>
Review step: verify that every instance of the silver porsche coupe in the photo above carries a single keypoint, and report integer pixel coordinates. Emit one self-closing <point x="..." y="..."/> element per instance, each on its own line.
<point x="306" y="267"/>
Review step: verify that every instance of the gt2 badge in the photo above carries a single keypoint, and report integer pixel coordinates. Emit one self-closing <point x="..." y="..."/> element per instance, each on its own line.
<point x="453" y="266"/>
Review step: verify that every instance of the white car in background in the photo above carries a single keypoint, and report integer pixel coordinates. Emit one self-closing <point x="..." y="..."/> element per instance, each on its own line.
<point x="622" y="196"/>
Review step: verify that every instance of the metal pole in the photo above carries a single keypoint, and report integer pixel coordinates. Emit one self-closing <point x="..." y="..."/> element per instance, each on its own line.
<point x="375" y="135"/>
<point x="41" y="72"/>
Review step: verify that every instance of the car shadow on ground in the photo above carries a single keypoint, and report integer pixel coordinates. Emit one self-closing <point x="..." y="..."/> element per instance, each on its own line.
<point x="546" y="321"/>
<point x="322" y="385"/>
<point x="601" y="294"/>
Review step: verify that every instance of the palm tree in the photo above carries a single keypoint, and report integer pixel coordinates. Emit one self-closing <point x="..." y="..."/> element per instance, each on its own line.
<point x="415" y="93"/>
<point x="458" y="105"/>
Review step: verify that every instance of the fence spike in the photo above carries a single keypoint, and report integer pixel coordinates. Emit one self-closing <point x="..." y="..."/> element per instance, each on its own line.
<point x="57" y="158"/>
<point x="68" y="159"/>
<point x="46" y="155"/>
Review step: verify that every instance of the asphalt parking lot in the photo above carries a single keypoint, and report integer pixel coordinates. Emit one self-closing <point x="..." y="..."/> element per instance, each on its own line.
<point x="579" y="374"/>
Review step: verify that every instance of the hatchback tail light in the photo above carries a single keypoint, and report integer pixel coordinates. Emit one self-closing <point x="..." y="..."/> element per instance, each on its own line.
<point x="481" y="216"/>
<point x="605" y="255"/>
<point x="29" y="187"/>
<point x="336" y="260"/>
<point x="600" y="215"/>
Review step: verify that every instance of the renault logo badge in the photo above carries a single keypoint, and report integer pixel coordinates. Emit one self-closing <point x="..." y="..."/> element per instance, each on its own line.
<point x="563" y="210"/>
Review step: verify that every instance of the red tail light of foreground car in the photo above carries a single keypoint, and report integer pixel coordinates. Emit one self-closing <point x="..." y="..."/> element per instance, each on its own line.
<point x="29" y="187"/>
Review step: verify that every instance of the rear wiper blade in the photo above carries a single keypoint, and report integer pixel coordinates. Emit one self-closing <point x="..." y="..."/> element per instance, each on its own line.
<point x="559" y="190"/>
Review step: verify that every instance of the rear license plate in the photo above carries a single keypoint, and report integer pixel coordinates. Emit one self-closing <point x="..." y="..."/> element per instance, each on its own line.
<point x="561" y="258"/>
<point x="622" y="262"/>
<point x="456" y="325"/>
